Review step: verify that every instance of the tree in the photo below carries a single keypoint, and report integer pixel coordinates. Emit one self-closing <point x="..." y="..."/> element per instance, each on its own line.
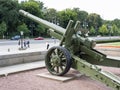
<point x="103" y="30"/>
<point x="116" y="22"/>
<point x="118" y="31"/>
<point x="9" y="14"/>
<point x="34" y="8"/>
<point x="113" y="26"/>
<point x="67" y="15"/>
<point x="41" y="30"/>
<point x="23" y="28"/>
<point x="92" y="31"/>
<point x="51" y="15"/>
<point x="115" y="30"/>
<point x="94" y="20"/>
<point x="3" y="28"/>
<point x="81" y="15"/>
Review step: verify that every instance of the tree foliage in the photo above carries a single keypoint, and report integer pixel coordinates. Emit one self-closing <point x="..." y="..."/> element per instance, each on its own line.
<point x="92" y="31"/>
<point x="3" y="28"/>
<point x="41" y="30"/>
<point x="33" y="7"/>
<point x="11" y="18"/>
<point x="115" y="30"/>
<point x="9" y="14"/>
<point x="94" y="20"/>
<point x="116" y="22"/>
<point x="103" y="30"/>
<point x="65" y="16"/>
<point x="23" y="28"/>
<point x="81" y="15"/>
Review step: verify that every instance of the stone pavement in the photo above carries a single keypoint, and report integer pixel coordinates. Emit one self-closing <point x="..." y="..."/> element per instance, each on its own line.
<point x="21" y="67"/>
<point x="11" y="49"/>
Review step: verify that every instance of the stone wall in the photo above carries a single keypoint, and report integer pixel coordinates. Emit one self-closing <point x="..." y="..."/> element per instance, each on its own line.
<point x="12" y="59"/>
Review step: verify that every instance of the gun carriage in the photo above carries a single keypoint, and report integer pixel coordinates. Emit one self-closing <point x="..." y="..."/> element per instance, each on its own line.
<point x="77" y="51"/>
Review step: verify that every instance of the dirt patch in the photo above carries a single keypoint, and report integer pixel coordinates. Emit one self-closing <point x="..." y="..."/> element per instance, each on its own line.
<point x="108" y="50"/>
<point x="29" y="80"/>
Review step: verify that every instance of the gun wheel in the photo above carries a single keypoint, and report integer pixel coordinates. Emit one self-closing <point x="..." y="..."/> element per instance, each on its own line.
<point x="58" y="60"/>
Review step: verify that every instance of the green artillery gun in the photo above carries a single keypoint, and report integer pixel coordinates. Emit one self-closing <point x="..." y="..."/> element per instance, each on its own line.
<point x="77" y="51"/>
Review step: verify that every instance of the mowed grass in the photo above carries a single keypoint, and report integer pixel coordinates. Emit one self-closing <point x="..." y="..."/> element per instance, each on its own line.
<point x="114" y="44"/>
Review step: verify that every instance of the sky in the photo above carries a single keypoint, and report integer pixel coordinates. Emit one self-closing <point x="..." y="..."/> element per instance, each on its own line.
<point x="107" y="9"/>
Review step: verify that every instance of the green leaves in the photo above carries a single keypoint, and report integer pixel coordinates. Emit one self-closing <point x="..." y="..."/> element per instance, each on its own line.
<point x="67" y="15"/>
<point x="3" y="28"/>
<point x="103" y="30"/>
<point x="32" y="7"/>
<point x="9" y="14"/>
<point x="23" y="28"/>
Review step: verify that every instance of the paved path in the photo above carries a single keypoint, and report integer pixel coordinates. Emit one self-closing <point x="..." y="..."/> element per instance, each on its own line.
<point x="21" y="67"/>
<point x="11" y="49"/>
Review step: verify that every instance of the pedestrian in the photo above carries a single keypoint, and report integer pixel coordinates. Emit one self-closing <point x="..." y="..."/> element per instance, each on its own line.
<point x="19" y="42"/>
<point x="47" y="44"/>
<point x="24" y="43"/>
<point x="28" y="43"/>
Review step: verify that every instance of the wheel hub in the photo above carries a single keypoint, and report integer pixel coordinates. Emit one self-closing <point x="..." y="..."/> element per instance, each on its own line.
<point x="56" y="60"/>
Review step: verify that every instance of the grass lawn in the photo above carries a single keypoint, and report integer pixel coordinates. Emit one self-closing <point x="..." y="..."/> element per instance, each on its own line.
<point x="114" y="44"/>
<point x="111" y="45"/>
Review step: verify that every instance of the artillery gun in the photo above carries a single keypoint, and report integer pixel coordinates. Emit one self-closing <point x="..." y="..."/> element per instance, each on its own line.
<point x="77" y="51"/>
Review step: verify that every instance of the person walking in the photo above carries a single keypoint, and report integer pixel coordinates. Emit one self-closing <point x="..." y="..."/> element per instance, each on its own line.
<point x="24" y="43"/>
<point x="28" y="43"/>
<point x="19" y="42"/>
<point x="47" y="44"/>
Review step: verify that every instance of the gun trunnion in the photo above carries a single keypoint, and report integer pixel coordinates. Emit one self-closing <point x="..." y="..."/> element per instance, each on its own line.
<point x="77" y="51"/>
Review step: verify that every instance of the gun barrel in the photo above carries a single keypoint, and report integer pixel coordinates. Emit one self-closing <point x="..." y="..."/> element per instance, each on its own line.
<point x="44" y="22"/>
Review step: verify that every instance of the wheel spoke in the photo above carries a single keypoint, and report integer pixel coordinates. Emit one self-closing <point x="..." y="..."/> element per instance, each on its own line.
<point x="54" y="53"/>
<point x="61" y="54"/>
<point x="51" y="62"/>
<point x="53" y="67"/>
<point x="61" y="68"/>
<point x="57" y="69"/>
<point x="63" y="59"/>
<point x="63" y="64"/>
